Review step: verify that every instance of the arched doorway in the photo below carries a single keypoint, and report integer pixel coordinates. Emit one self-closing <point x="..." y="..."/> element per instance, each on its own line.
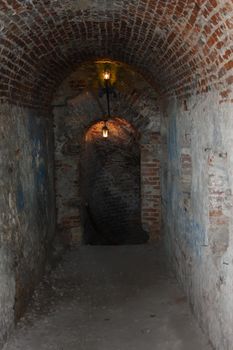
<point x="77" y="106"/>
<point x="110" y="184"/>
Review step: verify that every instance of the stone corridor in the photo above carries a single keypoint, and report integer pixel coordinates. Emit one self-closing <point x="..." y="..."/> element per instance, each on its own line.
<point x="109" y="298"/>
<point x="116" y="128"/>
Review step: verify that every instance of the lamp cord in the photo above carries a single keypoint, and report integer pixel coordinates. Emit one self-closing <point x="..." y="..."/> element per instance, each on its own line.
<point x="108" y="99"/>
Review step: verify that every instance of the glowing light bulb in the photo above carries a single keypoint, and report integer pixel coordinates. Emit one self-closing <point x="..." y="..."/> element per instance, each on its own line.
<point x="106" y="75"/>
<point x="105" y="131"/>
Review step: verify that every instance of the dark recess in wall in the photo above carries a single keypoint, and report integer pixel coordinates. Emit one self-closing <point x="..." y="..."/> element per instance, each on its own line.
<point x="110" y="183"/>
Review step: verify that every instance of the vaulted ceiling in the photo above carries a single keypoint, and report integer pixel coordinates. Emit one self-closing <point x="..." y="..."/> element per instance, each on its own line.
<point x="181" y="46"/>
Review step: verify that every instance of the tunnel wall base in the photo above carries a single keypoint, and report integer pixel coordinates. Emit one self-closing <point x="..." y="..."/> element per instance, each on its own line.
<point x="197" y="214"/>
<point x="27" y="211"/>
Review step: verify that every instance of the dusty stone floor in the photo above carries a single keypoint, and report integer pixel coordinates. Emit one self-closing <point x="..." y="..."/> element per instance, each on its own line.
<point x="109" y="298"/>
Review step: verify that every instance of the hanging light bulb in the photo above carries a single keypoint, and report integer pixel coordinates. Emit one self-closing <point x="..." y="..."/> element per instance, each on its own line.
<point x="106" y="75"/>
<point x="105" y="131"/>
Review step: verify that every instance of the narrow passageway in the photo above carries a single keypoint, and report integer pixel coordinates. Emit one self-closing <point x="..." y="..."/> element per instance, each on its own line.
<point x="109" y="298"/>
<point x="116" y="128"/>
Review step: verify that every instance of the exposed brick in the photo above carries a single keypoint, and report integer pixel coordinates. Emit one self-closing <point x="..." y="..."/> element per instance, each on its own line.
<point x="54" y="36"/>
<point x="71" y="123"/>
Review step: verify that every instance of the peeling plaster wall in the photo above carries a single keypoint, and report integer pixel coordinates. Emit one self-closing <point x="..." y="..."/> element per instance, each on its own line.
<point x="27" y="207"/>
<point x="197" y="208"/>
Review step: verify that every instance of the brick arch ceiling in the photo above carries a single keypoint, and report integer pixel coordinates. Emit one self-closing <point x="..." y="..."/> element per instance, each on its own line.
<point x="182" y="45"/>
<point x="126" y="107"/>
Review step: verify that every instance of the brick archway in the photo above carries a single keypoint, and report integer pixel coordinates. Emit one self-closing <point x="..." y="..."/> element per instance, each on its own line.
<point x="139" y="107"/>
<point x="182" y="46"/>
<point x="110" y="185"/>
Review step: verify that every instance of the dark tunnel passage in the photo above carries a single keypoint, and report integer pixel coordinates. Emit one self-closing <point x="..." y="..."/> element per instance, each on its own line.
<point x="110" y="183"/>
<point x="171" y="64"/>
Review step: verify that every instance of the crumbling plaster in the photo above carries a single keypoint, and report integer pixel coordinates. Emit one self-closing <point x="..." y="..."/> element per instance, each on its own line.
<point x="27" y="208"/>
<point x="190" y="233"/>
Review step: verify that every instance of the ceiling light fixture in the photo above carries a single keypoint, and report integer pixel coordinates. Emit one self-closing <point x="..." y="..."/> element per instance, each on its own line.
<point x="105" y="131"/>
<point x="106" y="76"/>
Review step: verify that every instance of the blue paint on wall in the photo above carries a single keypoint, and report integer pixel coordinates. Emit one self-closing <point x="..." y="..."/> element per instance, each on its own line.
<point x="194" y="235"/>
<point x="172" y="195"/>
<point x="185" y="228"/>
<point x="41" y="176"/>
<point x="38" y="139"/>
<point x="172" y="137"/>
<point x="38" y="136"/>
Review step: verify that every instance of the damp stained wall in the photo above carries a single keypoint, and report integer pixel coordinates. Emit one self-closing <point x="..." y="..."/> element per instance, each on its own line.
<point x="197" y="207"/>
<point x="27" y="214"/>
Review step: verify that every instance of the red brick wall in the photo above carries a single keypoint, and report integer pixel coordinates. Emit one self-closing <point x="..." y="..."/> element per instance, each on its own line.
<point x="135" y="102"/>
<point x="181" y="46"/>
<point x="68" y="182"/>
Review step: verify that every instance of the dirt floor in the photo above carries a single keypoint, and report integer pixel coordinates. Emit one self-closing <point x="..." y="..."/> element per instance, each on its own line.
<point x="109" y="298"/>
